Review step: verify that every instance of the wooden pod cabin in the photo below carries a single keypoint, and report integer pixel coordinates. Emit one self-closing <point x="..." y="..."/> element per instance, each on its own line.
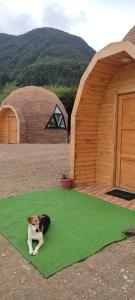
<point x="32" y="115"/>
<point x="103" y="119"/>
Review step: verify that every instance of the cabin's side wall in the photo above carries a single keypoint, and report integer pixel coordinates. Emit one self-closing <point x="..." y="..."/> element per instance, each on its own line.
<point x="122" y="82"/>
<point x="85" y="122"/>
<point x="85" y="140"/>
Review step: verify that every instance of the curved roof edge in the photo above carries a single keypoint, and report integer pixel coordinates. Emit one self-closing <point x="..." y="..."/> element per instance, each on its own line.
<point x="130" y="36"/>
<point x="110" y="49"/>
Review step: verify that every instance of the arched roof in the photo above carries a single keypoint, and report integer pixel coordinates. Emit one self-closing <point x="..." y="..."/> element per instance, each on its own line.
<point x="102" y="68"/>
<point x="31" y="100"/>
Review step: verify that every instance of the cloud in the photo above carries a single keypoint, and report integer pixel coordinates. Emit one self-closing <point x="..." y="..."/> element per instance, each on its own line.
<point x="17" y="19"/>
<point x="54" y="15"/>
<point x="12" y="22"/>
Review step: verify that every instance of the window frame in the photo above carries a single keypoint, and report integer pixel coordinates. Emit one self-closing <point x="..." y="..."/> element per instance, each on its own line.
<point x="56" y="122"/>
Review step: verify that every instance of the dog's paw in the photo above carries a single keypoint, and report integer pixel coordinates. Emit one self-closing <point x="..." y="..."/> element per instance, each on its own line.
<point x="35" y="252"/>
<point x="30" y="252"/>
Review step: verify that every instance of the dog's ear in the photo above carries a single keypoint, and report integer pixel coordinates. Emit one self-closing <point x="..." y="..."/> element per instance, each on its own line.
<point x="29" y="219"/>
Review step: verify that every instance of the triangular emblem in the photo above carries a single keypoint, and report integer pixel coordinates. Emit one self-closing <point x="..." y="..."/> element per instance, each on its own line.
<point x="57" y="120"/>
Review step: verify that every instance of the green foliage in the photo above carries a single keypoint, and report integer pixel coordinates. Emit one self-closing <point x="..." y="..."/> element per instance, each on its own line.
<point x="44" y="56"/>
<point x="4" y="78"/>
<point x="65" y="94"/>
<point x="52" y="72"/>
<point x="62" y="91"/>
<point x="6" y="90"/>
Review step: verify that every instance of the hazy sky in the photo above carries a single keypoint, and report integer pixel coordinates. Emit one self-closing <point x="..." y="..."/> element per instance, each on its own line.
<point x="98" y="22"/>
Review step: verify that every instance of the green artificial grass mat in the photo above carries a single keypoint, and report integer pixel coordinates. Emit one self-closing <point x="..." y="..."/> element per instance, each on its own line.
<point x="81" y="225"/>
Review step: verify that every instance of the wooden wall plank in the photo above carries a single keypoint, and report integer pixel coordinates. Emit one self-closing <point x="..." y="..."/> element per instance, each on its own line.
<point x="106" y="126"/>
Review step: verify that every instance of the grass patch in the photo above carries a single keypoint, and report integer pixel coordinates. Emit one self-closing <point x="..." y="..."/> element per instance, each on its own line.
<point x="81" y="225"/>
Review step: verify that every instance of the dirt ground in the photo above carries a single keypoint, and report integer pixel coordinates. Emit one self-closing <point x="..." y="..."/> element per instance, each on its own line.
<point x="107" y="275"/>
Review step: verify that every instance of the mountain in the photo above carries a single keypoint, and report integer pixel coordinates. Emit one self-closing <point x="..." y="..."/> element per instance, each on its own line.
<point x="44" y="56"/>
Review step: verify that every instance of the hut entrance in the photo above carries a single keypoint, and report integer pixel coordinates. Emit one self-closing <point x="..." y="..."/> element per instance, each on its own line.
<point x="12" y="130"/>
<point x="8" y="126"/>
<point x="125" y="165"/>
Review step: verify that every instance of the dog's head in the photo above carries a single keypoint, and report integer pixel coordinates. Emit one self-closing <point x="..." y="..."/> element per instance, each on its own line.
<point x="35" y="222"/>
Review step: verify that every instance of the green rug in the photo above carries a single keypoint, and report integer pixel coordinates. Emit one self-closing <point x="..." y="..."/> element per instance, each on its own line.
<point x="81" y="225"/>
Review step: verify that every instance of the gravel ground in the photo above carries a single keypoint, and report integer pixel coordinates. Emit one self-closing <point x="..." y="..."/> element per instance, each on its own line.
<point x="107" y="275"/>
<point x="29" y="167"/>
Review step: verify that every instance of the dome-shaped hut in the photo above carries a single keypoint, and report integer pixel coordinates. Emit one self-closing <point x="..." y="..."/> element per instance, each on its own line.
<point x="103" y="119"/>
<point x="32" y="115"/>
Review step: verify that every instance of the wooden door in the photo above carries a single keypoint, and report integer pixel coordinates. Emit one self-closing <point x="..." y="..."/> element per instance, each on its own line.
<point x="125" y="163"/>
<point x="12" y="130"/>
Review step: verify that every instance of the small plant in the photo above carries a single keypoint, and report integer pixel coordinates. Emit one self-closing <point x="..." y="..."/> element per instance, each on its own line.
<point x="66" y="181"/>
<point x="64" y="176"/>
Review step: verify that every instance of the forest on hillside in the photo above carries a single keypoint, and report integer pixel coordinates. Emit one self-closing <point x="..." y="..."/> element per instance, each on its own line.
<point x="44" y="57"/>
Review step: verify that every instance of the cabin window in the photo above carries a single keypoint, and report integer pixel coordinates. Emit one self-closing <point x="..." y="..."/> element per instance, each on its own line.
<point x="57" y="120"/>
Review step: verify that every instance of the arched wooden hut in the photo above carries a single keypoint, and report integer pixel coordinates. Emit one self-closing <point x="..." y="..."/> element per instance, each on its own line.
<point x="103" y="119"/>
<point x="32" y="115"/>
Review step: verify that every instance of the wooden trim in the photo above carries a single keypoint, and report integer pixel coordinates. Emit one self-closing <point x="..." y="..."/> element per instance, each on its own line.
<point x="72" y="149"/>
<point x="118" y="162"/>
<point x="115" y="128"/>
<point x="121" y="91"/>
<point x="118" y="141"/>
<point x="117" y="47"/>
<point x="8" y="130"/>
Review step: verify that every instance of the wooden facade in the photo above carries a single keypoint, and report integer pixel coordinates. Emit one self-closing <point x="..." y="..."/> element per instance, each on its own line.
<point x="25" y="113"/>
<point x="103" y="122"/>
<point x="8" y="127"/>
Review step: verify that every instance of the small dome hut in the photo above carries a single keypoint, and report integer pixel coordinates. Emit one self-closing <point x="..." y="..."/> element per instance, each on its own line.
<point x="32" y="115"/>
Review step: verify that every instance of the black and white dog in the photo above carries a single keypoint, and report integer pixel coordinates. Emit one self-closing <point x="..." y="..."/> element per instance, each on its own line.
<point x="38" y="225"/>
